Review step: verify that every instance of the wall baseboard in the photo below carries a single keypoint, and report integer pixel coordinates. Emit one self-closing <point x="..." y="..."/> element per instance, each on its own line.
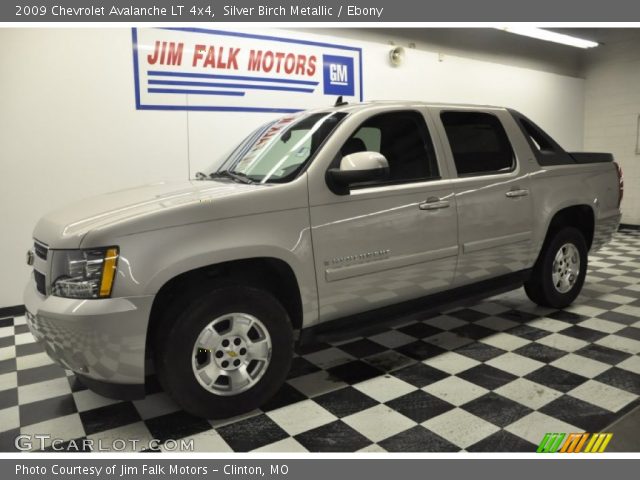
<point x="15" y="311"/>
<point x="628" y="226"/>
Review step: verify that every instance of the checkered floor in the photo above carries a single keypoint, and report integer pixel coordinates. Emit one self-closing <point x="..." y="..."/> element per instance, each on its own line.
<point x="495" y="376"/>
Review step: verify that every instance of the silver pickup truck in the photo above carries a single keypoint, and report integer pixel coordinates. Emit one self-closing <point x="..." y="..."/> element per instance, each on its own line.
<point x="319" y="220"/>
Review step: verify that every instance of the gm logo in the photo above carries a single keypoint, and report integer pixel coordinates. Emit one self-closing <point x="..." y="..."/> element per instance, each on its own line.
<point x="338" y="75"/>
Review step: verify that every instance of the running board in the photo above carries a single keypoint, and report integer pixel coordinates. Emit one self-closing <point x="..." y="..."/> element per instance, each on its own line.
<point x="372" y="321"/>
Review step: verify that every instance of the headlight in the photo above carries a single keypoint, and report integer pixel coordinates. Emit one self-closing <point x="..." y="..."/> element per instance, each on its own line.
<point x="84" y="273"/>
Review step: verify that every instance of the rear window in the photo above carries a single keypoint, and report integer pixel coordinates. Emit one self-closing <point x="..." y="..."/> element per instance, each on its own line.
<point x="479" y="144"/>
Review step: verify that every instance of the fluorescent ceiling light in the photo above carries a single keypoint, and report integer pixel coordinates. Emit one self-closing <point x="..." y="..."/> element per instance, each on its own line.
<point x="550" y="36"/>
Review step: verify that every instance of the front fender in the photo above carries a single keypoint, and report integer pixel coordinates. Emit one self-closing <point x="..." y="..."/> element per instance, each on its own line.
<point x="148" y="260"/>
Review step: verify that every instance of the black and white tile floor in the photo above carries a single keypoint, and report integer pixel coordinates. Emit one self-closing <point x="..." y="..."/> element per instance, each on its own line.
<point x="495" y="376"/>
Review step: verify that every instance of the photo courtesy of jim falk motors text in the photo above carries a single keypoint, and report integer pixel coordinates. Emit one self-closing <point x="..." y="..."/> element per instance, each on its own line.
<point x="124" y="470"/>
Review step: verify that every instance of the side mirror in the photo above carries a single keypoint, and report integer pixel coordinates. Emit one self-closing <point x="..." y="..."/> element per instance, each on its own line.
<point x="360" y="167"/>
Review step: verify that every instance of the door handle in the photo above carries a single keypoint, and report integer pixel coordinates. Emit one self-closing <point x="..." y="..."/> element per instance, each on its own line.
<point x="433" y="203"/>
<point x="517" y="193"/>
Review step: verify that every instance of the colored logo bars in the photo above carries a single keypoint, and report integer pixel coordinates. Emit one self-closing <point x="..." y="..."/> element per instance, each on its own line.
<point x="574" y="443"/>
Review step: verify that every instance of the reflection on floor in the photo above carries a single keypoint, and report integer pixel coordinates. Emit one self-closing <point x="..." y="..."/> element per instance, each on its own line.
<point x="495" y="376"/>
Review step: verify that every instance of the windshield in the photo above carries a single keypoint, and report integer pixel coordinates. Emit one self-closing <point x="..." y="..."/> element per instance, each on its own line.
<point x="277" y="151"/>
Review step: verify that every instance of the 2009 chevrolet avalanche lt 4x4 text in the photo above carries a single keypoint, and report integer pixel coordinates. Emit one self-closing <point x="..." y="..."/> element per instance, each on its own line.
<point x="313" y="220"/>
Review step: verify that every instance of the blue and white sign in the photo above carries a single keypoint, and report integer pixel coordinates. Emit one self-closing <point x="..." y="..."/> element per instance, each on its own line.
<point x="338" y="75"/>
<point x="200" y="69"/>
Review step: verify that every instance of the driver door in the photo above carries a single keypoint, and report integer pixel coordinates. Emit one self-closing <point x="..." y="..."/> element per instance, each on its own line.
<point x="385" y="242"/>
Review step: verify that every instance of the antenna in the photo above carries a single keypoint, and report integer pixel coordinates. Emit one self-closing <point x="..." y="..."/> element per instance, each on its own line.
<point x="340" y="102"/>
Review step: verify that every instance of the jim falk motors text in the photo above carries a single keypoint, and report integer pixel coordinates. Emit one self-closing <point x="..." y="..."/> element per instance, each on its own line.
<point x="229" y="58"/>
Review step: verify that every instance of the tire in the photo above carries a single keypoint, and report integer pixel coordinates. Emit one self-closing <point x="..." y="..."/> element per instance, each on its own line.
<point x="185" y="370"/>
<point x="560" y="290"/>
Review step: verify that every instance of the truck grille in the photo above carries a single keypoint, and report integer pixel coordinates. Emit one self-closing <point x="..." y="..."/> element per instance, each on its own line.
<point x="41" y="250"/>
<point x="40" y="282"/>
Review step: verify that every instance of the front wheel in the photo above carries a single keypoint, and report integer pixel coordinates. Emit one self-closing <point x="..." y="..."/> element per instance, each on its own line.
<point x="227" y="353"/>
<point x="558" y="275"/>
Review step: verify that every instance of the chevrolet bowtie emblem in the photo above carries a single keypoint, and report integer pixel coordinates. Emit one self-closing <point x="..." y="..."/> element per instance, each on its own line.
<point x="232" y="354"/>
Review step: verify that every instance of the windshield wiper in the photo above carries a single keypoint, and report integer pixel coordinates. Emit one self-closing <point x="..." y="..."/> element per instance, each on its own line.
<point x="237" y="176"/>
<point x="201" y="176"/>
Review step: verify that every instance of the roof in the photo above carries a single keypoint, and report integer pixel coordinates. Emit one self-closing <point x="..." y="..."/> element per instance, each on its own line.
<point x="356" y="107"/>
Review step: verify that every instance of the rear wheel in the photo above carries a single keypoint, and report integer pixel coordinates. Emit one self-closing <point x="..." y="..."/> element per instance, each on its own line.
<point x="227" y="353"/>
<point x="558" y="275"/>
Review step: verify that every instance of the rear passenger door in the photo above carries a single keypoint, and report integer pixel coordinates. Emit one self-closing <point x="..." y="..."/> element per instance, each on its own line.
<point x="491" y="187"/>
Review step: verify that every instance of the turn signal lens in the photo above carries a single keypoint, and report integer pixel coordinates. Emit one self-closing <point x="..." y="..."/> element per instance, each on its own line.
<point x="108" y="272"/>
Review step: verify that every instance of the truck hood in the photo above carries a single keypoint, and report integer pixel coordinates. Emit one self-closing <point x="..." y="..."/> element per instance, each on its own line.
<point x="66" y="227"/>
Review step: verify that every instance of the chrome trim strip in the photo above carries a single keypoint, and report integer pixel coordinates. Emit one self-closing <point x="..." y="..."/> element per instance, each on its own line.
<point x="409" y="186"/>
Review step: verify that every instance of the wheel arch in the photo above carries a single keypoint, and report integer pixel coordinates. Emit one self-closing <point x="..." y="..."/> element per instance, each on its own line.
<point x="272" y="274"/>
<point x="581" y="217"/>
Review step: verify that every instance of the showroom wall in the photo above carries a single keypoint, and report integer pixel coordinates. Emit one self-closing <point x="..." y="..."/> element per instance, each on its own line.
<point x="69" y="128"/>
<point x="612" y="108"/>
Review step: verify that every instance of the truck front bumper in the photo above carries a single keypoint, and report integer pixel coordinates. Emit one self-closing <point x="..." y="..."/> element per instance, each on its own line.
<point x="102" y="340"/>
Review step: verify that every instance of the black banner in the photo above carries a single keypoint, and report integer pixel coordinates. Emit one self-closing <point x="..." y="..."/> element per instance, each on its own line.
<point x="210" y="11"/>
<point x="315" y="469"/>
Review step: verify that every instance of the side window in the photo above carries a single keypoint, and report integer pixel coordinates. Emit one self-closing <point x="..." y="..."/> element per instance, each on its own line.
<point x="402" y="137"/>
<point x="478" y="142"/>
<point x="371" y="138"/>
